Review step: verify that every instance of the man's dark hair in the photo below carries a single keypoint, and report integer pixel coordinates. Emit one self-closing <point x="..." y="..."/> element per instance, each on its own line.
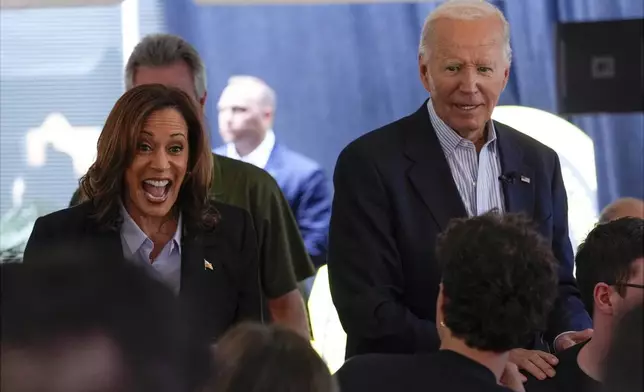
<point x="43" y="304"/>
<point x="607" y="255"/>
<point x="499" y="281"/>
<point x="624" y="362"/>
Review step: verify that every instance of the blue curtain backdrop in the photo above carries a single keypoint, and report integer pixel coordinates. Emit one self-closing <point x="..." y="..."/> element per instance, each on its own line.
<point x="343" y="70"/>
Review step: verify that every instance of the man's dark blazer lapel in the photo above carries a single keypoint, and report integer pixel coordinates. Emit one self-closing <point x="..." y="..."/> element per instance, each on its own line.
<point x="430" y="173"/>
<point x="519" y="192"/>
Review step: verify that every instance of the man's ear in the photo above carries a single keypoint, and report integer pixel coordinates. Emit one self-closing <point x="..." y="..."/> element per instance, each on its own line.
<point x="267" y="114"/>
<point x="440" y="301"/>
<point x="602" y="298"/>
<point x="506" y="77"/>
<point x="423" y="71"/>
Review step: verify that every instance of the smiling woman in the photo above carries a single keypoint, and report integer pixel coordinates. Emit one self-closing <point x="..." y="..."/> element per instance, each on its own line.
<point x="152" y="147"/>
<point x="147" y="201"/>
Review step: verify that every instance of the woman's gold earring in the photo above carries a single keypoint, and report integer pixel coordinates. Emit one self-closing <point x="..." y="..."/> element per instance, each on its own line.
<point x="442" y="323"/>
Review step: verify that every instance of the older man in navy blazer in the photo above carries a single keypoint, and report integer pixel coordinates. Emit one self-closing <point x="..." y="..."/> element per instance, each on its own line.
<point x="397" y="188"/>
<point x="246" y="111"/>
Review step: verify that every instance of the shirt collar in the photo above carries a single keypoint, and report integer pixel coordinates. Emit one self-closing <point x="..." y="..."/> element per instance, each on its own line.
<point x="449" y="138"/>
<point x="259" y="156"/>
<point x="134" y="237"/>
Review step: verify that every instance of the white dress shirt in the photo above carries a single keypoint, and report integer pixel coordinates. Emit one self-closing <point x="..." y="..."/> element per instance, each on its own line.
<point x="259" y="156"/>
<point x="476" y="175"/>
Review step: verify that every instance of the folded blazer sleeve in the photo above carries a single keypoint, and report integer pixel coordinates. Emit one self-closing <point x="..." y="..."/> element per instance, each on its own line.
<point x="569" y="313"/>
<point x="313" y="213"/>
<point x="365" y="268"/>
<point x="250" y="299"/>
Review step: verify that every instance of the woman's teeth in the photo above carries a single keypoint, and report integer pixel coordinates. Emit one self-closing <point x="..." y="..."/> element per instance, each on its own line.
<point x="157" y="183"/>
<point x="156" y="191"/>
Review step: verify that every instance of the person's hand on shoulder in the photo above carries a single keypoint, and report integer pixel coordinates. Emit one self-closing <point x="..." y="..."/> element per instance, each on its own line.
<point x="538" y="363"/>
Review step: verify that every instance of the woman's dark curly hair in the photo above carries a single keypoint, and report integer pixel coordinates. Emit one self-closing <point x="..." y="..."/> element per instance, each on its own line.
<point x="104" y="182"/>
<point x="499" y="281"/>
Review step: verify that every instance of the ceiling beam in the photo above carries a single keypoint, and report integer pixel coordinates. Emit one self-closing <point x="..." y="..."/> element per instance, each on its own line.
<point x="12" y="4"/>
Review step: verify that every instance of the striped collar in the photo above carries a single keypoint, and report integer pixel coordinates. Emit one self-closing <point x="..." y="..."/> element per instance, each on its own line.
<point x="449" y="138"/>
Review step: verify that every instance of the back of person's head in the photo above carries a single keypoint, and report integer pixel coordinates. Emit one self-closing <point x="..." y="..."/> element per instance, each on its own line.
<point x="254" y="358"/>
<point x="499" y="281"/>
<point x="624" y="362"/>
<point x="621" y="208"/>
<point x="607" y="259"/>
<point x="77" y="326"/>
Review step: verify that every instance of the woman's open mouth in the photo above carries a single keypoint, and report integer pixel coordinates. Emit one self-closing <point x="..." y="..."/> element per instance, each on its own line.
<point x="156" y="191"/>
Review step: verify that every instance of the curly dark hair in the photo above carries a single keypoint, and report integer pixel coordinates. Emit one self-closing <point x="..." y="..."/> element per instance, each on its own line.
<point x="607" y="254"/>
<point x="499" y="280"/>
<point x="104" y="182"/>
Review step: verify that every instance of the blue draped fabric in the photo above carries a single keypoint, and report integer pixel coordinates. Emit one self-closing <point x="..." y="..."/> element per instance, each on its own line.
<point x="343" y="70"/>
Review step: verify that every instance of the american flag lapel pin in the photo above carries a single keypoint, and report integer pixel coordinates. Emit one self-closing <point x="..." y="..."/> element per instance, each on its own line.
<point x="207" y="265"/>
<point x="525" y="179"/>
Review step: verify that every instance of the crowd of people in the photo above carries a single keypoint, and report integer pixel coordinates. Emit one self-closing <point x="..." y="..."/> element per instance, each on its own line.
<point x="177" y="268"/>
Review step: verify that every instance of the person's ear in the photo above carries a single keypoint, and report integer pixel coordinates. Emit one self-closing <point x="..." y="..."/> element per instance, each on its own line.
<point x="423" y="71"/>
<point x="602" y="298"/>
<point x="506" y="76"/>
<point x="440" y="302"/>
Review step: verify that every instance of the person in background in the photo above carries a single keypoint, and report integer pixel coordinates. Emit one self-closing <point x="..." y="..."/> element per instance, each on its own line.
<point x="610" y="274"/>
<point x="624" y="362"/>
<point x="484" y="309"/>
<point x="628" y="206"/>
<point x="397" y="187"/>
<point x="170" y="60"/>
<point x="246" y="117"/>
<point x="76" y="324"/>
<point x="148" y="201"/>
<point x="257" y="358"/>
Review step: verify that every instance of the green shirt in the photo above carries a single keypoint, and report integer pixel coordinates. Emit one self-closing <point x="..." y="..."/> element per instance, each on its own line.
<point x="283" y="257"/>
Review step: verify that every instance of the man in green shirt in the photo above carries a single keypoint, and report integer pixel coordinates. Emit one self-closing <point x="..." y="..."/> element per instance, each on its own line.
<point x="170" y="60"/>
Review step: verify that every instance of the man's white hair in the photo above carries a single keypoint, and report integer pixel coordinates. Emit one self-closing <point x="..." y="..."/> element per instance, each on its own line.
<point x="463" y="10"/>
<point x="267" y="96"/>
<point x="161" y="50"/>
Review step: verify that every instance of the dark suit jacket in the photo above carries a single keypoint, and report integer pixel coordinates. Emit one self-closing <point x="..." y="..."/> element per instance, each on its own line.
<point x="305" y="186"/>
<point x="443" y="371"/>
<point x="394" y="193"/>
<point x="215" y="298"/>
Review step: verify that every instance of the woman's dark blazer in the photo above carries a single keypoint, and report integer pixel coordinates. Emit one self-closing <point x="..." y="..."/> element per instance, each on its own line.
<point x="219" y="267"/>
